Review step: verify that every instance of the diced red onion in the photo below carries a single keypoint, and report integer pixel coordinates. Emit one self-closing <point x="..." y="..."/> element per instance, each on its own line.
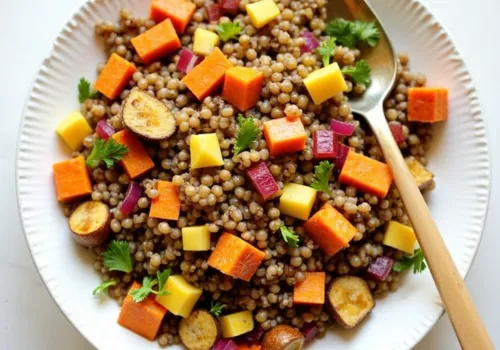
<point x="397" y="132"/>
<point x="104" y="130"/>
<point x="213" y="12"/>
<point x="187" y="61"/>
<point x="325" y="144"/>
<point x="262" y="180"/>
<point x="230" y="7"/>
<point x="342" y="152"/>
<point x="132" y="196"/>
<point x="252" y="337"/>
<point x="310" y="331"/>
<point x="380" y="268"/>
<point x="342" y="128"/>
<point x="310" y="42"/>
<point x="225" y="344"/>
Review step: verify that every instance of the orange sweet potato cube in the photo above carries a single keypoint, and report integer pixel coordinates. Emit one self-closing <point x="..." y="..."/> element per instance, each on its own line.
<point x="285" y="135"/>
<point x="427" y="105"/>
<point x="137" y="161"/>
<point x="179" y="11"/>
<point x="242" y="87"/>
<point x="143" y="318"/>
<point x="156" y="42"/>
<point x="311" y="291"/>
<point x="71" y="179"/>
<point x="114" y="76"/>
<point x="330" y="229"/>
<point x="167" y="205"/>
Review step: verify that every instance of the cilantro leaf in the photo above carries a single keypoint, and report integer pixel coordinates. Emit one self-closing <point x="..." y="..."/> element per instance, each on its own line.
<point x="326" y="50"/>
<point x="228" y="31"/>
<point x="138" y="295"/>
<point x="321" y="178"/>
<point x="289" y="236"/>
<point x="109" y="152"/>
<point x="85" y="91"/>
<point x="162" y="278"/>
<point x="417" y="260"/>
<point x="103" y="287"/>
<point x="341" y="30"/>
<point x="117" y="257"/>
<point x="360" y="74"/>
<point x="216" y="308"/>
<point x="350" y="33"/>
<point x="367" y="32"/>
<point x="247" y="133"/>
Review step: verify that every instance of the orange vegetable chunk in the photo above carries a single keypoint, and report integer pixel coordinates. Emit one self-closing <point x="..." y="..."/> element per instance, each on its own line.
<point x="242" y="87"/>
<point x="330" y="229"/>
<point x="143" y="318"/>
<point x="311" y="290"/>
<point x="137" y="161"/>
<point x="427" y="105"/>
<point x="285" y="135"/>
<point x="156" y="42"/>
<point x="203" y="79"/>
<point x="167" y="205"/>
<point x="72" y="179"/>
<point x="367" y="174"/>
<point x="179" y="11"/>
<point x="114" y="76"/>
<point x="235" y="257"/>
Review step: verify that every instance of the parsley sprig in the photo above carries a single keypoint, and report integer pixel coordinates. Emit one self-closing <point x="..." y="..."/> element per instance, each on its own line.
<point x="103" y="287"/>
<point x="107" y="151"/>
<point x="321" y="178"/>
<point x="289" y="236"/>
<point x="360" y="74"/>
<point x="85" y="91"/>
<point x="417" y="260"/>
<point x="138" y="295"/>
<point x="247" y="133"/>
<point x="216" y="308"/>
<point x="350" y="33"/>
<point x="326" y="50"/>
<point x="117" y="257"/>
<point x="228" y="31"/>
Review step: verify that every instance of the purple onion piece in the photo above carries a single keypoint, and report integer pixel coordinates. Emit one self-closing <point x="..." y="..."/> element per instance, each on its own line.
<point x="310" y="331"/>
<point x="225" y="344"/>
<point x="104" y="130"/>
<point x="310" y="42"/>
<point x="342" y="128"/>
<point x="263" y="180"/>
<point x="252" y="337"/>
<point x="397" y="132"/>
<point x="132" y="196"/>
<point x="187" y="61"/>
<point x="380" y="268"/>
<point x="342" y="152"/>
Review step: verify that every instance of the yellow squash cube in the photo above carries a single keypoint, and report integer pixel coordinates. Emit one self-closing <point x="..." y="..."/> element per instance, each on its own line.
<point x="205" y="151"/>
<point x="400" y="237"/>
<point x="182" y="297"/>
<point x="204" y="42"/>
<point x="325" y="83"/>
<point x="236" y="324"/>
<point x="74" y="129"/>
<point x="196" y="238"/>
<point x="297" y="201"/>
<point x="262" y="12"/>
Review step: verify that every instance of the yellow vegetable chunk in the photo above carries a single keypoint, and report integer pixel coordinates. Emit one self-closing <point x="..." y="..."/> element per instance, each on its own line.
<point x="236" y="324"/>
<point x="297" y="201"/>
<point x="73" y="130"/>
<point x="182" y="298"/>
<point x="400" y="237"/>
<point x="196" y="238"/>
<point x="325" y="83"/>
<point x="205" y="151"/>
<point x="204" y="42"/>
<point x="262" y="12"/>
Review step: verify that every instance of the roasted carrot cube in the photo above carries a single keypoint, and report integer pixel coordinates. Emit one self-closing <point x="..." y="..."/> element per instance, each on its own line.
<point x="285" y="135"/>
<point x="235" y="257"/>
<point x="367" y="174"/>
<point x="311" y="290"/>
<point x="179" y="11"/>
<point x="203" y="79"/>
<point x="72" y="179"/>
<point x="242" y="87"/>
<point x="143" y="318"/>
<point x="137" y="161"/>
<point x="167" y="205"/>
<point x="114" y="76"/>
<point x="156" y="42"/>
<point x="330" y="229"/>
<point x="427" y="105"/>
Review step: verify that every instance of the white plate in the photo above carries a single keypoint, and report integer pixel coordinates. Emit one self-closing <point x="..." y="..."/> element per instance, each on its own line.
<point x="459" y="158"/>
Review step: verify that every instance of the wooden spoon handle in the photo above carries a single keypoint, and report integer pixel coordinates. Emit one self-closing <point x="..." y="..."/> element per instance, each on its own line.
<point x="461" y="310"/>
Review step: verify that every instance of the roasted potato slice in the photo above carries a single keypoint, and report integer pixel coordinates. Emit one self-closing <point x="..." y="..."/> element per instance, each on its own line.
<point x="422" y="176"/>
<point x="350" y="300"/>
<point x="199" y="331"/>
<point x="283" y="338"/>
<point x="90" y="223"/>
<point x="147" y="116"/>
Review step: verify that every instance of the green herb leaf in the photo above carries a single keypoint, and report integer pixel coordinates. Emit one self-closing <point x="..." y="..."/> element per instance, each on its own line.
<point x="247" y="133"/>
<point x="366" y="32"/>
<point x="360" y="74"/>
<point x="109" y="152"/>
<point x="326" y="50"/>
<point x="103" y="287"/>
<point x="321" y="178"/>
<point x="228" y="31"/>
<point x="138" y="295"/>
<point x="162" y="278"/>
<point x="216" y="308"/>
<point x="350" y="33"/>
<point x="85" y="91"/>
<point x="417" y="260"/>
<point x="289" y="236"/>
<point x="117" y="257"/>
<point x="342" y="31"/>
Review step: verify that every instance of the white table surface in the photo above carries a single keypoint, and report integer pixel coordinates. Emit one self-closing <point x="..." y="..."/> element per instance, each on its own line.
<point x="29" y="318"/>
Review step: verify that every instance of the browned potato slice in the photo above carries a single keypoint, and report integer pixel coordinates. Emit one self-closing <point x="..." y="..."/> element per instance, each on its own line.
<point x="200" y="331"/>
<point x="422" y="176"/>
<point x="350" y="300"/>
<point x="147" y="116"/>
<point x="89" y="223"/>
<point x="283" y="338"/>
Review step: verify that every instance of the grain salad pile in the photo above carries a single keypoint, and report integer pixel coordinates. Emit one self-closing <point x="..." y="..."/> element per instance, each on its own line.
<point x="224" y="200"/>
